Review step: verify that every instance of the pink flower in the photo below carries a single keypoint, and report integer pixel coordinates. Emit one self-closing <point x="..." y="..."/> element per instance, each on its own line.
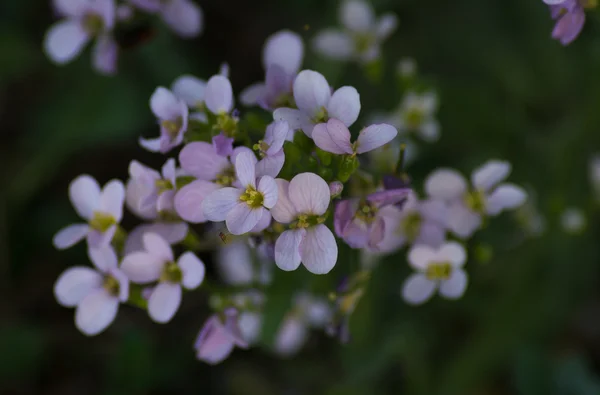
<point x="157" y="190"/>
<point x="334" y="137"/>
<point x="302" y="202"/>
<point x="157" y="262"/>
<point x="96" y="294"/>
<point x="183" y="16"/>
<point x="172" y="114"/>
<point x="271" y="149"/>
<point x="103" y="209"/>
<point x="217" y="339"/>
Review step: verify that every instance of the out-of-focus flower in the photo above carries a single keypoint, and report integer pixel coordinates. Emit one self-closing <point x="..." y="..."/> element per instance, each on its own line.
<point x="192" y="90"/>
<point x="416" y="115"/>
<point x="183" y="16"/>
<point x="84" y="20"/>
<point x="467" y="205"/>
<point x="316" y="104"/>
<point x="436" y="268"/>
<point x="573" y="220"/>
<point x="157" y="262"/>
<point x="385" y="158"/>
<point x="570" y="18"/>
<point x="242" y="208"/>
<point x="102" y="209"/>
<point x="218" y="337"/>
<point x="172" y="114"/>
<point x="302" y="202"/>
<point x="334" y="137"/>
<point x="406" y="67"/>
<point x="361" y="37"/>
<point x="594" y="169"/>
<point x="171" y="232"/>
<point x="270" y="149"/>
<point x="96" y="294"/>
<point x="282" y="58"/>
<point x="159" y="188"/>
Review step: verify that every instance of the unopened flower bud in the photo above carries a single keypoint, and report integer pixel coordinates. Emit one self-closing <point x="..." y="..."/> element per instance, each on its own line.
<point x="335" y="189"/>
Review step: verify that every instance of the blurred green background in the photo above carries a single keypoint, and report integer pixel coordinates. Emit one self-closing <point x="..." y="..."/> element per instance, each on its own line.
<point x="530" y="320"/>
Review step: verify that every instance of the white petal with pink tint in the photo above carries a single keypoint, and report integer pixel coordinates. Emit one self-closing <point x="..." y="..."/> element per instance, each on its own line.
<point x="190" y="89"/>
<point x="104" y="258"/>
<point x="309" y="193"/>
<point x="219" y="95"/>
<point x="417" y="289"/>
<point x="268" y="187"/>
<point x="294" y="118"/>
<point x="84" y="193"/>
<point x="142" y="267"/>
<point x="112" y="199"/>
<point x="284" y="210"/>
<point x="245" y="163"/>
<point x="270" y="165"/>
<point x="184" y="17"/>
<point x="332" y="137"/>
<point x="334" y="44"/>
<point x="319" y="250"/>
<point x="420" y="256"/>
<point x="505" y="196"/>
<point x="311" y="91"/>
<point x="188" y="200"/>
<point x="65" y="40"/>
<point x="445" y="184"/>
<point x="375" y="136"/>
<point x="357" y="15"/>
<point x="193" y="270"/>
<point x="455" y="286"/>
<point x="76" y="283"/>
<point x="164" y="104"/>
<point x="201" y="160"/>
<point x="344" y="105"/>
<point x="70" y="236"/>
<point x="284" y="49"/>
<point x="490" y="174"/>
<point x="164" y="302"/>
<point x="452" y="252"/>
<point x="287" y="249"/>
<point x="152" y="145"/>
<point x="96" y="312"/>
<point x="219" y="203"/>
<point x="158" y="247"/>
<point x="241" y="219"/>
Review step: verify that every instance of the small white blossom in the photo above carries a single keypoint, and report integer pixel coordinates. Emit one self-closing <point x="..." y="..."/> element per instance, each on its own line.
<point x="573" y="220"/>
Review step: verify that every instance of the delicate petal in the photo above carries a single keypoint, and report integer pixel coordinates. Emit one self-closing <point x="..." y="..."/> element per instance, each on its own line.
<point x="123" y="284"/>
<point x="431" y="234"/>
<point x="253" y="94"/>
<point x="105" y="55"/>
<point x="222" y="144"/>
<point x="250" y="326"/>
<point x="284" y="210"/>
<point x="309" y="194"/>
<point x="71" y="8"/>
<point x="291" y="336"/>
<point x="275" y="136"/>
<point x="235" y="263"/>
<point x="375" y="136"/>
<point x="386" y="25"/>
<point x="189" y="89"/>
<point x="285" y="49"/>
<point x="104" y="258"/>
<point x="319" y="250"/>
<point x="553" y="2"/>
<point x="343" y="214"/>
<point x="263" y="223"/>
<point x="490" y="174"/>
<point x="377" y="233"/>
<point x="65" y="40"/>
<point x="219" y="95"/>
<point x="420" y="256"/>
<point x="188" y="200"/>
<point x="164" y="302"/>
<point x="164" y="104"/>
<point x="357" y="15"/>
<point x="70" y="236"/>
<point x="332" y="137"/>
<point x="96" y="312"/>
<point x="268" y="187"/>
<point x="245" y="169"/>
<point x="97" y="239"/>
<point x="112" y="199"/>
<point x="287" y="249"/>
<point x="158" y="247"/>
<point x="202" y="161"/>
<point x="344" y="105"/>
<point x="334" y="44"/>
<point x="390" y="196"/>
<point x="238" y="150"/>
<point x="166" y="201"/>
<point x="569" y="26"/>
<point x="452" y="252"/>
<point x="152" y="145"/>
<point x="84" y="193"/>
<point x="241" y="219"/>
<point x="219" y="203"/>
<point x="213" y="343"/>
<point x="184" y="17"/>
<point x="417" y="289"/>
<point x="173" y="232"/>
<point x="445" y="184"/>
<point x="107" y="10"/>
<point x="76" y="283"/>
<point x="294" y="118"/>
<point x="506" y="196"/>
<point x="193" y="270"/>
<point x="270" y="165"/>
<point x="142" y="267"/>
<point x="168" y="171"/>
<point x="311" y="91"/>
<point x="455" y="286"/>
<point x="462" y="221"/>
<point x="430" y="131"/>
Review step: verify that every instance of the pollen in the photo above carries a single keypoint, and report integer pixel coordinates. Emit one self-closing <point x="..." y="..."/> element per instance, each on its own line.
<point x="111" y="285"/>
<point x="252" y="197"/>
<point x="438" y="271"/>
<point x="101" y="221"/>
<point x="171" y="273"/>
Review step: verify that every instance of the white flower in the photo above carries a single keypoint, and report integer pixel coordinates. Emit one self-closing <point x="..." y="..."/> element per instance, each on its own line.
<point x="467" y="206"/>
<point x="573" y="220"/>
<point x="96" y="294"/>
<point x="416" y="114"/>
<point x="436" y="268"/>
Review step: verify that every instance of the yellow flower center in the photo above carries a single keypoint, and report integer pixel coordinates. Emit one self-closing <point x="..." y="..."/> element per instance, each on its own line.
<point x="102" y="221"/>
<point x="366" y="212"/>
<point x="163" y="185"/>
<point x="321" y="116"/>
<point x="226" y="123"/>
<point x="262" y="148"/>
<point x="414" y="117"/>
<point x="475" y="200"/>
<point x="438" y="271"/>
<point x="410" y="226"/>
<point x="252" y="197"/>
<point x="111" y="285"/>
<point x="304" y="221"/>
<point x="227" y="177"/>
<point x="171" y="273"/>
<point x="93" y="23"/>
<point x="363" y="42"/>
<point x="172" y="127"/>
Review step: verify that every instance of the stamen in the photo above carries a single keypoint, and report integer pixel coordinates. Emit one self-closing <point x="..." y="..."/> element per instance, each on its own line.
<point x="438" y="271"/>
<point x="171" y="273"/>
<point x="101" y="221"/>
<point x="252" y="197"/>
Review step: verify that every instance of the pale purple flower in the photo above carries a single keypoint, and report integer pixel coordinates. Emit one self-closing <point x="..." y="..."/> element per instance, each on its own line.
<point x="334" y="137"/>
<point x="302" y="203"/>
<point x="282" y="58"/>
<point x="157" y="262"/>
<point x="218" y="95"/>
<point x="84" y="20"/>
<point x="159" y="188"/>
<point x="102" y="209"/>
<point x="570" y="18"/>
<point x="192" y="90"/>
<point x="270" y="149"/>
<point x="96" y="294"/>
<point x="184" y="17"/>
<point x="244" y="207"/>
<point x="217" y="338"/>
<point x="467" y="205"/>
<point x="316" y="104"/>
<point x="172" y="113"/>
<point x="439" y="268"/>
<point x="416" y="115"/>
<point x="171" y="232"/>
<point x="361" y="36"/>
<point x="360" y="222"/>
<point x="236" y="267"/>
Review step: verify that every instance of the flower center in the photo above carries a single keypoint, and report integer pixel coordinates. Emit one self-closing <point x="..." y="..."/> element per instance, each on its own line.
<point x="413" y="117"/>
<point x="93" y="23"/>
<point x="363" y="42"/>
<point x="304" y="221"/>
<point x="102" y="221"/>
<point x="366" y="211"/>
<point x="284" y="100"/>
<point x="163" y="185"/>
<point x="475" y="200"/>
<point x="172" y="127"/>
<point x="227" y="177"/>
<point x="252" y="197"/>
<point x="261" y="147"/>
<point x="411" y="226"/>
<point x="111" y="285"/>
<point x="320" y="116"/>
<point x="171" y="273"/>
<point x="438" y="271"/>
<point x="226" y="123"/>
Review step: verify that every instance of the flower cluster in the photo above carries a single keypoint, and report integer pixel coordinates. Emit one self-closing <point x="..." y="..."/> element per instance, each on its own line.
<point x="274" y="192"/>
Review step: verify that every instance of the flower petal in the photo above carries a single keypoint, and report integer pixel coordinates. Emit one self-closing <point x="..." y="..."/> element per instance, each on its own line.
<point x="386" y="25"/>
<point x="219" y="203"/>
<point x="234" y="263"/>
<point x="452" y="252"/>
<point x="193" y="270"/>
<point x="152" y="145"/>
<point x="270" y="165"/>
<point x="104" y="258"/>
<point x="76" y="283"/>
<point x="291" y="336"/>
<point x="506" y="196"/>
<point x="389" y="197"/>
<point x="96" y="239"/>
<point x="84" y="193"/>
<point x="105" y="54"/>
<point x="287" y="249"/>
<point x="202" y="161"/>
<point x="377" y="233"/>
<point x="188" y="200"/>
<point x="334" y="44"/>
<point x="263" y="223"/>
<point x="65" y="40"/>
<point x="164" y="104"/>
<point x="268" y="187"/>
<point x="112" y="199"/>
<point x="275" y="136"/>
<point x="142" y="267"/>
<point x="241" y="219"/>
<point x="284" y="210"/>
<point x="569" y="26"/>
<point x="70" y="236"/>
<point x="96" y="312"/>
<point x="284" y="49"/>
<point x="490" y="174"/>
<point x="72" y="8"/>
<point x="319" y="250"/>
<point x="417" y="289"/>
<point x="219" y="95"/>
<point x="431" y="234"/>
<point x="252" y="95"/>
<point x="309" y="193"/>
<point x="173" y="232"/>
<point x="420" y="256"/>
<point x="189" y="89"/>
<point x="455" y="286"/>
<point x="245" y="169"/>
<point x="344" y="105"/>
<point x="311" y="91"/>
<point x="462" y="221"/>
<point x="213" y="343"/>
<point x="293" y="117"/>
<point x="184" y="17"/>
<point x="343" y="214"/>
<point x="158" y="247"/>
<point x="164" y="302"/>
<point x="357" y="16"/>
<point x="445" y="184"/>
<point x="332" y="137"/>
<point x="375" y="136"/>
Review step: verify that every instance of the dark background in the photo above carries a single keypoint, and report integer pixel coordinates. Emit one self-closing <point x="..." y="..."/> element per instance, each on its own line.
<point x="530" y="320"/>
